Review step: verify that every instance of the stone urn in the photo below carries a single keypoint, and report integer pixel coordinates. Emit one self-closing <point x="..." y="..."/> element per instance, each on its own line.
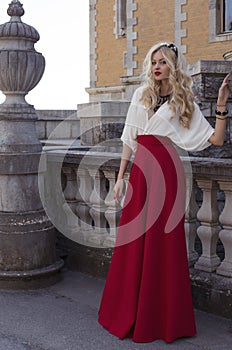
<point x="21" y="67"/>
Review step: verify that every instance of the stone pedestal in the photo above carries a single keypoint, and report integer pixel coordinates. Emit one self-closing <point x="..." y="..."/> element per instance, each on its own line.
<point x="101" y="122"/>
<point x="27" y="237"/>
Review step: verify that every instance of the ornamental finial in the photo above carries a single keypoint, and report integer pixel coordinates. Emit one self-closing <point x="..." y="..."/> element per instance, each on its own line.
<point x="15" y="9"/>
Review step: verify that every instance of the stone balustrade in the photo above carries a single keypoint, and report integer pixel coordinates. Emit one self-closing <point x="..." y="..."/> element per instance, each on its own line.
<point x="91" y="215"/>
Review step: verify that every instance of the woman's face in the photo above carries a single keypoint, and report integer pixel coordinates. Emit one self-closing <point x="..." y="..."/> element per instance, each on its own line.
<point x="160" y="68"/>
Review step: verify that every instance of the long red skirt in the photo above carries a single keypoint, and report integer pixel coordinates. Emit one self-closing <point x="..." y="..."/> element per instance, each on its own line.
<point x="147" y="295"/>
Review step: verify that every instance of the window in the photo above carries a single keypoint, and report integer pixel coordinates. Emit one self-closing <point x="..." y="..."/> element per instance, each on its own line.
<point x="120" y="18"/>
<point x="220" y="20"/>
<point x="226" y="16"/>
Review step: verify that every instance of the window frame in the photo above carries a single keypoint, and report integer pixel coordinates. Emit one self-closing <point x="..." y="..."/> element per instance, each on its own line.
<point x="216" y="20"/>
<point x="120" y="18"/>
<point x="223" y="19"/>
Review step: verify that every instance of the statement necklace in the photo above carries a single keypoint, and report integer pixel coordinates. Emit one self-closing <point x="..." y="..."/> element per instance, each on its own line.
<point x="161" y="101"/>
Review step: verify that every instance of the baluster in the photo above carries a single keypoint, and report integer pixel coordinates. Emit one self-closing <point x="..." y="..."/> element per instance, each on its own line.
<point x="53" y="196"/>
<point x="83" y="208"/>
<point x="209" y="228"/>
<point x="225" y="234"/>
<point x="190" y="220"/>
<point x="69" y="206"/>
<point x="97" y="210"/>
<point x="113" y="210"/>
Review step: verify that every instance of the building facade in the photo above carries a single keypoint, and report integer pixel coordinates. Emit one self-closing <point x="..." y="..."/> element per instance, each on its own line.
<point x="122" y="31"/>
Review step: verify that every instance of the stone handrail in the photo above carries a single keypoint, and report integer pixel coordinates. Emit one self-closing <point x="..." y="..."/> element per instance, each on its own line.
<point x="89" y="215"/>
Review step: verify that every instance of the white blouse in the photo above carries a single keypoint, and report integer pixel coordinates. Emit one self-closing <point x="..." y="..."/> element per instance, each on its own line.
<point x="163" y="124"/>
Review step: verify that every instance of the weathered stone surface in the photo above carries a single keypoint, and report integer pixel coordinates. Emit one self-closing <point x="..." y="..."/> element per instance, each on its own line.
<point x="17" y="163"/>
<point x="94" y="261"/>
<point x="57" y="124"/>
<point x="101" y="121"/>
<point x="211" y="293"/>
<point x="207" y="77"/>
<point x="27" y="237"/>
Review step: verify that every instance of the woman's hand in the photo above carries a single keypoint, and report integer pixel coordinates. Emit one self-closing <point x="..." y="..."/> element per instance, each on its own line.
<point x="118" y="189"/>
<point x="224" y="91"/>
<point x="217" y="138"/>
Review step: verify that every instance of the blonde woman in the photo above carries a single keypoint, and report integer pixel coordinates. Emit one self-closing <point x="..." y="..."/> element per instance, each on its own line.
<point x="147" y="295"/>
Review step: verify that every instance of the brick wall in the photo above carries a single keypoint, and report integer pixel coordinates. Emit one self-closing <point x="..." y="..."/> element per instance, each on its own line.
<point x="109" y="49"/>
<point x="155" y="22"/>
<point x="197" y="40"/>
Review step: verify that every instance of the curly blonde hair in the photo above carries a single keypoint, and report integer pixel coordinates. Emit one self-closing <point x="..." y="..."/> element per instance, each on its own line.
<point x="182" y="98"/>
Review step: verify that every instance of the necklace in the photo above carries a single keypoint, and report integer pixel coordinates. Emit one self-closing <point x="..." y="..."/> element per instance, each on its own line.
<point x="161" y="100"/>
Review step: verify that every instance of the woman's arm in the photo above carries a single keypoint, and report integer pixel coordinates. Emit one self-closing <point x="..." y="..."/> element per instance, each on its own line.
<point x="125" y="158"/>
<point x="219" y="135"/>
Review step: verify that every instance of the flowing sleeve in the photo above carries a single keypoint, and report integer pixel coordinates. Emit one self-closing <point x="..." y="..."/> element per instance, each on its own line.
<point x="200" y="131"/>
<point x="134" y="120"/>
<point x="193" y="139"/>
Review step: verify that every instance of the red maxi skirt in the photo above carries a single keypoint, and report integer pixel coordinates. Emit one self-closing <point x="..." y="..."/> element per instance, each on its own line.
<point x="147" y="295"/>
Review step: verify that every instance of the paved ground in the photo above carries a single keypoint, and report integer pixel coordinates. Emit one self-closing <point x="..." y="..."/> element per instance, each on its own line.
<point x="64" y="317"/>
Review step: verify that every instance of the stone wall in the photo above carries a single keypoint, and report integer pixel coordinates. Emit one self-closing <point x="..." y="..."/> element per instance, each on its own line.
<point x="207" y="78"/>
<point x="57" y="124"/>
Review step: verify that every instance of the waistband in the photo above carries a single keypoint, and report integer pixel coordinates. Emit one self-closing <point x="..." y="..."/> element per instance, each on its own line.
<point x="153" y="140"/>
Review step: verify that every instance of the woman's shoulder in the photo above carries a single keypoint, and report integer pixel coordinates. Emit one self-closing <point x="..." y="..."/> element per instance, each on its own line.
<point x="196" y="105"/>
<point x="137" y="94"/>
<point x="197" y="110"/>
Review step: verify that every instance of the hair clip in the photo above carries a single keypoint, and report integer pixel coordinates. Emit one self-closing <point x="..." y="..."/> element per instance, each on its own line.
<point x="172" y="47"/>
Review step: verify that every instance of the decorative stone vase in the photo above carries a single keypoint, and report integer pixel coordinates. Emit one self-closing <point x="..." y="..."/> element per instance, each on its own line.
<point x="21" y="67"/>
